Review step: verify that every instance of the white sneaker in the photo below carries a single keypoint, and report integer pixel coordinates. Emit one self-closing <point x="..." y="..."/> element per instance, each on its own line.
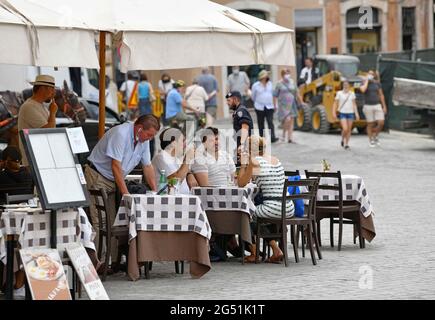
<point x="376" y="141"/>
<point x="20" y="292"/>
<point x="372" y="144"/>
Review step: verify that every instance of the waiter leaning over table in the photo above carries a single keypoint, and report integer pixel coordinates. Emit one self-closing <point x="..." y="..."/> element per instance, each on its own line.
<point x="115" y="156"/>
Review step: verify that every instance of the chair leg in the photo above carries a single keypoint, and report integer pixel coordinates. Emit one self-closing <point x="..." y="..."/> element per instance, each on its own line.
<point x="360" y="236"/>
<point x="340" y="233"/>
<point x="257" y="243"/>
<point x="331" y="231"/>
<point x="284" y="244"/>
<point x="295" y="245"/>
<point x="264" y="245"/>
<point x="106" y="262"/>
<point x="182" y="267"/>
<point x="354" y="235"/>
<point x="310" y="243"/>
<point x="151" y="265"/>
<point x="316" y="240"/>
<point x="301" y="230"/>
<point x="177" y="267"/>
<point x="147" y="270"/>
<point x="242" y="246"/>
<point x="318" y="233"/>
<point x="100" y="246"/>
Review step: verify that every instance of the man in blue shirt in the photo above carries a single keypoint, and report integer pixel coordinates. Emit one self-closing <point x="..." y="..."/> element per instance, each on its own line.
<point x="115" y="156"/>
<point x="175" y="105"/>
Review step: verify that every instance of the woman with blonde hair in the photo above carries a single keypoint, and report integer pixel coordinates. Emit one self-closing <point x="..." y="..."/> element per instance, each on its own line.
<point x="267" y="173"/>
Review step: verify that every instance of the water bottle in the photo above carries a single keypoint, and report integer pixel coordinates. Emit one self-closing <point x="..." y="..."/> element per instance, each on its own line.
<point x="162" y="182"/>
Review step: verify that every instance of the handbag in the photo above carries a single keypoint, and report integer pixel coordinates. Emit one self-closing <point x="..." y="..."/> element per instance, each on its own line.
<point x="298" y="203"/>
<point x="135" y="187"/>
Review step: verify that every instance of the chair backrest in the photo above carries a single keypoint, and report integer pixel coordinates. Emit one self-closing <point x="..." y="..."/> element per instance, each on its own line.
<point x="18" y="198"/>
<point x="291" y="173"/>
<point x="337" y="187"/>
<point x="308" y="191"/>
<point x="101" y="202"/>
<point x="15" y="189"/>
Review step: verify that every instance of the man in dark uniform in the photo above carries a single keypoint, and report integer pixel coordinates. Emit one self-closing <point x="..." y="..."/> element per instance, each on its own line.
<point x="242" y="121"/>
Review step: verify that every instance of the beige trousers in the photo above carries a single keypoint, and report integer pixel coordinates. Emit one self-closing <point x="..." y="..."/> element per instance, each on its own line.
<point x="96" y="181"/>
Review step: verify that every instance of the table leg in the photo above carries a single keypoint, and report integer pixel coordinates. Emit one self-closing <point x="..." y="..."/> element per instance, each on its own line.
<point x="10" y="247"/>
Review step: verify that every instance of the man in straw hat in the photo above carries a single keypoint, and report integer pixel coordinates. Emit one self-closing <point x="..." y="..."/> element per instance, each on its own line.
<point x="262" y="95"/>
<point x="33" y="113"/>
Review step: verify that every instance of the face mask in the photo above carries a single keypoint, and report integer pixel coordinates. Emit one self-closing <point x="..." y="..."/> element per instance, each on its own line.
<point x="165" y="80"/>
<point x="236" y="71"/>
<point x="370" y="77"/>
<point x="287" y="77"/>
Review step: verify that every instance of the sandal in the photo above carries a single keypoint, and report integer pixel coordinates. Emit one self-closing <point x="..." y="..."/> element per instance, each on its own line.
<point x="249" y="259"/>
<point x="275" y="259"/>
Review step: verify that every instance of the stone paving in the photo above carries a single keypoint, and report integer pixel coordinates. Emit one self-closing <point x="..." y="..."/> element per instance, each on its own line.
<point x="398" y="264"/>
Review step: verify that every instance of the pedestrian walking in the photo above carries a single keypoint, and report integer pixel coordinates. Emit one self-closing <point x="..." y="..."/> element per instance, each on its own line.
<point x="374" y="108"/>
<point x="262" y="96"/>
<point x="146" y="95"/>
<point x="209" y="83"/>
<point x="346" y="108"/>
<point x="239" y="81"/>
<point x="286" y="95"/>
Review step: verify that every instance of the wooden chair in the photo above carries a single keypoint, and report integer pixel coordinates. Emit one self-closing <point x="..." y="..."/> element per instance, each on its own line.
<point x="306" y="221"/>
<point x="106" y="229"/>
<point x="16" y="189"/>
<point x="287" y="174"/>
<point x="338" y="211"/>
<point x="18" y="198"/>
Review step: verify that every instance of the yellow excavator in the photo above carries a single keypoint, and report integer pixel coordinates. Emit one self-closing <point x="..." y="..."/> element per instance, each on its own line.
<point x="316" y="114"/>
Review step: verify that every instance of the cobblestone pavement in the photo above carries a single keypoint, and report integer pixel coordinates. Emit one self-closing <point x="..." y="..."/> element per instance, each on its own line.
<point x="400" y="180"/>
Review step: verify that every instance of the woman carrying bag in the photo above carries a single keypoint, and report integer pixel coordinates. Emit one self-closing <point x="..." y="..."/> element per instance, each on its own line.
<point x="345" y="105"/>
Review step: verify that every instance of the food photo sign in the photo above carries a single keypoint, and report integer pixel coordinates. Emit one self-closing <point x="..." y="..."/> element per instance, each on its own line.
<point x="86" y="272"/>
<point x="45" y="274"/>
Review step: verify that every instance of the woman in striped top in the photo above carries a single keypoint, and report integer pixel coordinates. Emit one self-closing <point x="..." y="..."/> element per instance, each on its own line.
<point x="268" y="174"/>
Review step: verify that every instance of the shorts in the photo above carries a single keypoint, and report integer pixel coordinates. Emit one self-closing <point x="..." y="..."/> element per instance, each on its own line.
<point x="373" y="112"/>
<point x="346" y="116"/>
<point x="212" y="110"/>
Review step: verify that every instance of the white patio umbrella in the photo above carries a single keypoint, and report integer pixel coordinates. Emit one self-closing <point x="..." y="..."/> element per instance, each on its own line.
<point x="30" y="41"/>
<point x="169" y="34"/>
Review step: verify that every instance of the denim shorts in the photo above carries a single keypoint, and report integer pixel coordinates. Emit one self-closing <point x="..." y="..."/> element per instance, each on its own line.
<point x="347" y="116"/>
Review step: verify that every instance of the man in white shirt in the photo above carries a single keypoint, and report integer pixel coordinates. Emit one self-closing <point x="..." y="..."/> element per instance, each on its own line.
<point x="213" y="167"/>
<point x="170" y="159"/>
<point x="309" y="73"/>
<point x="239" y="81"/>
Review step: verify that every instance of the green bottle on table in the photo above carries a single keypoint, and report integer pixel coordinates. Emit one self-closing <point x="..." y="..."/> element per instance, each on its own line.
<point x="163" y="183"/>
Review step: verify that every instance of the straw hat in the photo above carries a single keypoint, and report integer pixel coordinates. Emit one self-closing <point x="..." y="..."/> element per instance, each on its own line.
<point x="44" y="80"/>
<point x="263" y="74"/>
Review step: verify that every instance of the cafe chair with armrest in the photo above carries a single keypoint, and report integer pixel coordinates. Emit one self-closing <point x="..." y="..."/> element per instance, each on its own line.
<point x="282" y="223"/>
<point x="338" y="211"/>
<point x="106" y="229"/>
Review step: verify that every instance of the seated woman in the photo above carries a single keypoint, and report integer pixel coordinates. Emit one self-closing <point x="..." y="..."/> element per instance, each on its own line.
<point x="268" y="174"/>
<point x="170" y="159"/>
<point x="212" y="166"/>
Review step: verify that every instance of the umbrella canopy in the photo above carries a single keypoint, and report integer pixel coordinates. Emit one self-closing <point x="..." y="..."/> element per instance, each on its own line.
<point x="168" y="34"/>
<point x="152" y="35"/>
<point x="27" y="41"/>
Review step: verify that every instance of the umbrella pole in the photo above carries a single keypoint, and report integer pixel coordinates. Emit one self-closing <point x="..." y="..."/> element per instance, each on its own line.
<point x="102" y="93"/>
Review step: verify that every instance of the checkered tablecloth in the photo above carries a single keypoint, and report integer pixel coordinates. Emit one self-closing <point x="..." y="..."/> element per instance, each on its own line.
<point x="162" y="213"/>
<point x="227" y="198"/>
<point x="33" y="228"/>
<point x="353" y="189"/>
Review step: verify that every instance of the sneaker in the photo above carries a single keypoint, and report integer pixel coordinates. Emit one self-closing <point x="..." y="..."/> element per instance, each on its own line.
<point x="376" y="141"/>
<point x="274" y="140"/>
<point x="372" y="144"/>
<point x="346" y="147"/>
<point x="20" y="292"/>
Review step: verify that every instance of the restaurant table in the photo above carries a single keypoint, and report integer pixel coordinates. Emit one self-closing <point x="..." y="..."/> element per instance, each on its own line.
<point x="229" y="209"/>
<point x="354" y="189"/>
<point x="165" y="228"/>
<point x="32" y="227"/>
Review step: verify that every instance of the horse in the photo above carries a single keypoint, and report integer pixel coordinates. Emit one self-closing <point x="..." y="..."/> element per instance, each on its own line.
<point x="10" y="102"/>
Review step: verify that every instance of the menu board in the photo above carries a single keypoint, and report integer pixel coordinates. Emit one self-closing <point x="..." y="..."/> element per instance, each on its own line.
<point x="45" y="274"/>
